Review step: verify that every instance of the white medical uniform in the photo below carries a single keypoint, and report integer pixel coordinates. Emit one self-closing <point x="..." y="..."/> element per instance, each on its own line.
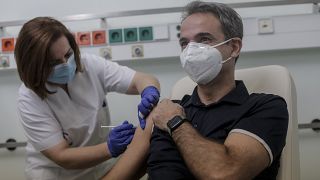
<point x="76" y="118"/>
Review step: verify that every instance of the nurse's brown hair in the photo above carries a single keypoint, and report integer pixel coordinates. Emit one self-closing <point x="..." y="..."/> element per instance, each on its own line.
<point x="32" y="52"/>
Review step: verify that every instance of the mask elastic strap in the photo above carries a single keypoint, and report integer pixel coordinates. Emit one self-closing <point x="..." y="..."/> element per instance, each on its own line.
<point x="224" y="61"/>
<point x="219" y="44"/>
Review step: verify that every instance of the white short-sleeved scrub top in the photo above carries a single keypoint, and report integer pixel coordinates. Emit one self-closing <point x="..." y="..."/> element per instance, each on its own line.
<point x="76" y="118"/>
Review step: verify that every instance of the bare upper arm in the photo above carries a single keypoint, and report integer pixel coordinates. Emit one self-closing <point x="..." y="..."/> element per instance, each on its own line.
<point x="54" y="153"/>
<point x="132" y="87"/>
<point x="249" y="154"/>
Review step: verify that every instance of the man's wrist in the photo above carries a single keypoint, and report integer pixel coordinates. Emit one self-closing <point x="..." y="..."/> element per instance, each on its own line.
<point x="174" y="123"/>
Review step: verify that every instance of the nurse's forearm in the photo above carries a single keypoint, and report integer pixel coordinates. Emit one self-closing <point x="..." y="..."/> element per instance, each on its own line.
<point x="77" y="158"/>
<point x="141" y="81"/>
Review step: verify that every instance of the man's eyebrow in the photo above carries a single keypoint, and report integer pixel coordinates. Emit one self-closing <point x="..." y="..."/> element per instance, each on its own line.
<point x="201" y="34"/>
<point x="198" y="36"/>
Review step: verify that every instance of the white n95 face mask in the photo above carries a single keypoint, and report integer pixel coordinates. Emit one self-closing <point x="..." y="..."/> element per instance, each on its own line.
<point x="202" y="62"/>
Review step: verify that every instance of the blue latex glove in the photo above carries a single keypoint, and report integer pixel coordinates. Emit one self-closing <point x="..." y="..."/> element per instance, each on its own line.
<point x="149" y="98"/>
<point x="119" y="138"/>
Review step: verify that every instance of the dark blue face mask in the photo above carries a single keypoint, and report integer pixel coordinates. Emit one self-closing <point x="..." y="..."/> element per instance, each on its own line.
<point x="63" y="73"/>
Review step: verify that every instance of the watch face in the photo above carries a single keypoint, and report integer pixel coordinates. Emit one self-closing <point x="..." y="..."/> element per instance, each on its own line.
<point x="174" y="122"/>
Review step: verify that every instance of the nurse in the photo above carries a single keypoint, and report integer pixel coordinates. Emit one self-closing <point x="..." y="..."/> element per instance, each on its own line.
<point x="62" y="103"/>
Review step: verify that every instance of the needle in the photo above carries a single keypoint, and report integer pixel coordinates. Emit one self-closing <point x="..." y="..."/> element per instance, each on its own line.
<point x="108" y="126"/>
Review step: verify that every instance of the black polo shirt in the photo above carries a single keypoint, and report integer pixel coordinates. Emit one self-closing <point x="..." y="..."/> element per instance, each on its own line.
<point x="261" y="116"/>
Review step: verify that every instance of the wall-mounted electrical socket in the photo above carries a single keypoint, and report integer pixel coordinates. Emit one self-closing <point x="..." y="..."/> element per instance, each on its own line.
<point x="137" y="51"/>
<point x="84" y="38"/>
<point x="4" y="61"/>
<point x="145" y="33"/>
<point x="7" y="44"/>
<point x="265" y="26"/>
<point x="98" y="37"/>
<point x="130" y="34"/>
<point x="115" y="36"/>
<point x="106" y="53"/>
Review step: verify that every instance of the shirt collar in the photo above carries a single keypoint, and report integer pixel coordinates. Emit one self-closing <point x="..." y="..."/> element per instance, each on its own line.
<point x="237" y="95"/>
<point x="51" y="88"/>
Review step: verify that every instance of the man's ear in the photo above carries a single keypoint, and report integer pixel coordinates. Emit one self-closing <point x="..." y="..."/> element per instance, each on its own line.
<point x="236" y="45"/>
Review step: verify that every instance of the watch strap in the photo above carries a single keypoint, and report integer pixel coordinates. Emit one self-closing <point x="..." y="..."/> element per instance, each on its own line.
<point x="174" y="123"/>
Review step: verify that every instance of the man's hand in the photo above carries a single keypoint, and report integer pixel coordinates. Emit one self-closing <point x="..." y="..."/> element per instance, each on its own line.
<point x="164" y="111"/>
<point x="119" y="138"/>
<point x="149" y="98"/>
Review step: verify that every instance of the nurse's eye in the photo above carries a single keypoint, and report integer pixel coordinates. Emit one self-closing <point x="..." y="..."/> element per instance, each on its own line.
<point x="55" y="62"/>
<point x="69" y="54"/>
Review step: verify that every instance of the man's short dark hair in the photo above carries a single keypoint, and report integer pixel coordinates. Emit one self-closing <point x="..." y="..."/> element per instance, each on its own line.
<point x="230" y="20"/>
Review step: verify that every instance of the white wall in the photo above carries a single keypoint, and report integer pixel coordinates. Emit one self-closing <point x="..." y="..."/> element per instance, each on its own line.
<point x="303" y="63"/>
<point x="25" y="9"/>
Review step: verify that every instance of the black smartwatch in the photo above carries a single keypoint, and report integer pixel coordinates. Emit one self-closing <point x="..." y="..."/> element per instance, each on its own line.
<point x="174" y="123"/>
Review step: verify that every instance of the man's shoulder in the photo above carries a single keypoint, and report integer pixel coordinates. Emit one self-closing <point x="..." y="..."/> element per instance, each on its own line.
<point x="265" y="98"/>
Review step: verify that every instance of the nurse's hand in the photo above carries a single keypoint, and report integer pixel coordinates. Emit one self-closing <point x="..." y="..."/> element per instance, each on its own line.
<point x="149" y="98"/>
<point x="119" y="138"/>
